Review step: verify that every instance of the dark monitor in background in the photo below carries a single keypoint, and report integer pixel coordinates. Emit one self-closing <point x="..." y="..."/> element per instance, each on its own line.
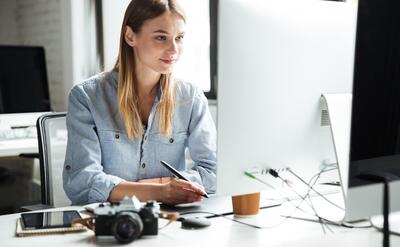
<point x="23" y="80"/>
<point x="375" y="127"/>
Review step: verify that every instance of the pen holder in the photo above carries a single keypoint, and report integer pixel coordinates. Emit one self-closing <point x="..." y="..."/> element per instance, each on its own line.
<point x="246" y="205"/>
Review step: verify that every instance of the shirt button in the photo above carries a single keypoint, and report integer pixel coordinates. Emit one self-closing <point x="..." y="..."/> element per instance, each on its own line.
<point x="145" y="138"/>
<point x="67" y="167"/>
<point x="116" y="136"/>
<point x="143" y="165"/>
<point x="171" y="140"/>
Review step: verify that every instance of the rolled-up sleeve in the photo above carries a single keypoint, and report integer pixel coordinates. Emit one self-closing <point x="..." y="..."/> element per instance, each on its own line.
<point x="202" y="144"/>
<point x="83" y="177"/>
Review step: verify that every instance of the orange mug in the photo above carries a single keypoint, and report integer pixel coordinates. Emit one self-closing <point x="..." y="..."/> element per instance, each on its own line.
<point x="246" y="205"/>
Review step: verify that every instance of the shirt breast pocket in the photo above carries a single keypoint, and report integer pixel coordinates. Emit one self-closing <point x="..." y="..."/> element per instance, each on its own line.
<point x="171" y="148"/>
<point x="117" y="154"/>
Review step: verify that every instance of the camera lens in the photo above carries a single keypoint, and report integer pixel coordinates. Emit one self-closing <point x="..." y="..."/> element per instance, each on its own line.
<point x="127" y="227"/>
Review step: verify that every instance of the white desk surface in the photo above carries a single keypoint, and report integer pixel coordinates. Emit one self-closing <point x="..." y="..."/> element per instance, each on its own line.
<point x="16" y="147"/>
<point x="222" y="232"/>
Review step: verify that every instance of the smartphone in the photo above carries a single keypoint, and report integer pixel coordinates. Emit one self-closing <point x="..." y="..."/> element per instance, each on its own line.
<point x="45" y="220"/>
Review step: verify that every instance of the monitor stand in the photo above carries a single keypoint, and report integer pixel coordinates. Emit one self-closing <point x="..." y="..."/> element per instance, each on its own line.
<point x="336" y="112"/>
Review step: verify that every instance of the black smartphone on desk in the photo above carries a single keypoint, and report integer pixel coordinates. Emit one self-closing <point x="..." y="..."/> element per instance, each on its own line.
<point x="47" y="220"/>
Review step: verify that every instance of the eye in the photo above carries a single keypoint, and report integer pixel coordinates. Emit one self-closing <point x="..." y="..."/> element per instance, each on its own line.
<point x="161" y="38"/>
<point x="180" y="37"/>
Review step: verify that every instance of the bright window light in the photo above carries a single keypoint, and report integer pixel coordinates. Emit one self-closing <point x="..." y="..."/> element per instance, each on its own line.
<point x="194" y="64"/>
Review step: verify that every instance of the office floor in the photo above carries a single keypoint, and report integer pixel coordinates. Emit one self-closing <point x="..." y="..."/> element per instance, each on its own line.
<point x="19" y="183"/>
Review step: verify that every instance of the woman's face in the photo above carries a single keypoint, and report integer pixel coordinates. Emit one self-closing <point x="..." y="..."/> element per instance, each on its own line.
<point x="159" y="43"/>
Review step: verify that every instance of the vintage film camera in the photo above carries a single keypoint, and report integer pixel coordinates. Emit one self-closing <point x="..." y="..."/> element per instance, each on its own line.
<point x="127" y="220"/>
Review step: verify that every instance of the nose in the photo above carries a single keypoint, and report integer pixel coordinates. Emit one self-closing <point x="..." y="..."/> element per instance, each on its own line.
<point x="173" y="48"/>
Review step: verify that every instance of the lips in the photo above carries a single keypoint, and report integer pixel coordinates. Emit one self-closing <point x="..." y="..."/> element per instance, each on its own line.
<point x="168" y="61"/>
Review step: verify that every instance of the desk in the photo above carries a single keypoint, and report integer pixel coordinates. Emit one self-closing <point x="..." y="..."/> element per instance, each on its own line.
<point x="16" y="147"/>
<point x="222" y="232"/>
<point x="25" y="173"/>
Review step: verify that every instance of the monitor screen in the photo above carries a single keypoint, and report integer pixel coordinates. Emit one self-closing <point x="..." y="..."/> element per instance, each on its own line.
<point x="375" y="129"/>
<point x="375" y="126"/>
<point x="23" y="80"/>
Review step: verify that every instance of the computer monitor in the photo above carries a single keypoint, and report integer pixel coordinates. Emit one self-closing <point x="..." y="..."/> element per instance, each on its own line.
<point x="275" y="59"/>
<point x="375" y="127"/>
<point x="23" y="83"/>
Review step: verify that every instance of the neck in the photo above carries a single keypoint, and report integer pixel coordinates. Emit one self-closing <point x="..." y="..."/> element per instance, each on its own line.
<point x="146" y="90"/>
<point x="147" y="81"/>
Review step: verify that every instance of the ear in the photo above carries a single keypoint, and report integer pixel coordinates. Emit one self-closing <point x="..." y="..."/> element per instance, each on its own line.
<point x="130" y="36"/>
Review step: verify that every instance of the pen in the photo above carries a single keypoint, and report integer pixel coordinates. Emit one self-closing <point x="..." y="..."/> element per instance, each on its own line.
<point x="177" y="173"/>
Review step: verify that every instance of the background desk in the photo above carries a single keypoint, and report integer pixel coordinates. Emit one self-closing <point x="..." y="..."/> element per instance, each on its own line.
<point x="21" y="176"/>
<point x="222" y="232"/>
<point x="16" y="147"/>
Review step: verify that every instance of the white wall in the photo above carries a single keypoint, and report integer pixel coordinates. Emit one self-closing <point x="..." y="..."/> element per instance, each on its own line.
<point x="8" y="22"/>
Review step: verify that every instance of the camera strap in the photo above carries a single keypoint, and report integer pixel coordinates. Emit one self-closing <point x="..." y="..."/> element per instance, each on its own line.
<point x="171" y="216"/>
<point x="90" y="221"/>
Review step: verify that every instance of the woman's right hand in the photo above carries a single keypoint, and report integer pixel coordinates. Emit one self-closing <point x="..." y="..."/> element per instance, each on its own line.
<point x="180" y="191"/>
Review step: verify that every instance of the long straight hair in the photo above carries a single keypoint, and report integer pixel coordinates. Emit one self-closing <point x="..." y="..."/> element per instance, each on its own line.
<point x="137" y="12"/>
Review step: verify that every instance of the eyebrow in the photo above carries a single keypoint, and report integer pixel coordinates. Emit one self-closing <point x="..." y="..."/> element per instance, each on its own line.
<point x="165" y="32"/>
<point x="161" y="31"/>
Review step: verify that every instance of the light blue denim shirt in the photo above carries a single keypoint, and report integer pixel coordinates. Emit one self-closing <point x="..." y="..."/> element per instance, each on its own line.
<point x="99" y="154"/>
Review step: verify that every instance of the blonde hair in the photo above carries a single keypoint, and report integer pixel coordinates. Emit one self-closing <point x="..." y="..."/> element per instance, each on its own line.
<point x="137" y="12"/>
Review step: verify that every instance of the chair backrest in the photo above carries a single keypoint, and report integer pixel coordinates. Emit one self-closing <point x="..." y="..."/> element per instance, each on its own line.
<point x="52" y="137"/>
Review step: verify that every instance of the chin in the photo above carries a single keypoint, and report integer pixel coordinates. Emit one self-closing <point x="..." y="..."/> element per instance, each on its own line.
<point x="165" y="71"/>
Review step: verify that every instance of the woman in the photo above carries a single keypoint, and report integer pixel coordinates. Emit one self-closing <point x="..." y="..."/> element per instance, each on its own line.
<point x="122" y="123"/>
